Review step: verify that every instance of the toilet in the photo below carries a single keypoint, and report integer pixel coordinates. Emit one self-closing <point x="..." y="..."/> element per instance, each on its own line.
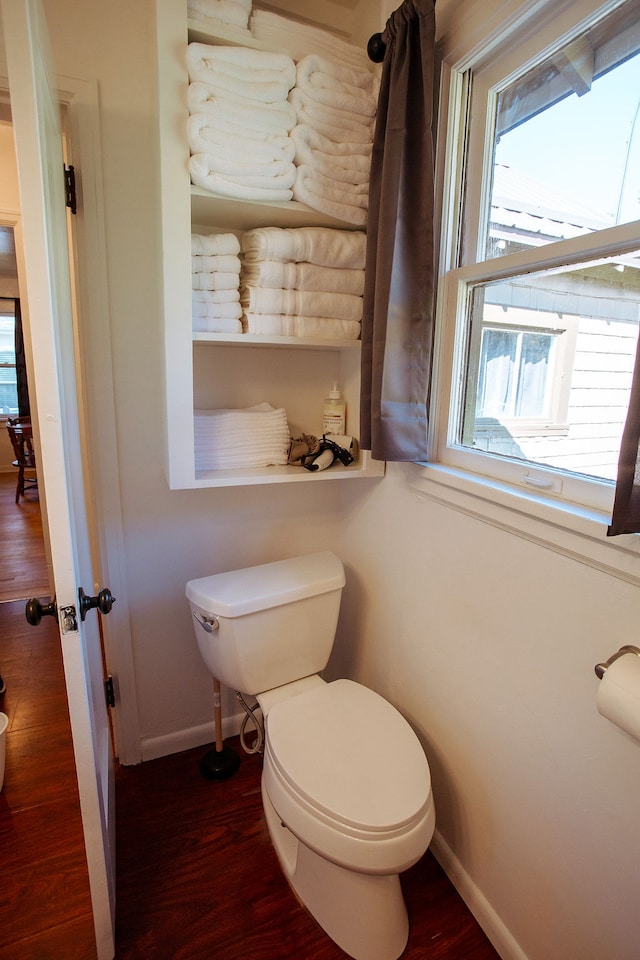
<point x="346" y="787"/>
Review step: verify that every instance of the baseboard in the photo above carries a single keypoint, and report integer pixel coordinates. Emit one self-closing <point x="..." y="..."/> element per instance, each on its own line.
<point x="477" y="903"/>
<point x="154" y="747"/>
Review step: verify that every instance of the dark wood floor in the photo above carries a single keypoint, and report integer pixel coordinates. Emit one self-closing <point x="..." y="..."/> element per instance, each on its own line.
<point x="197" y="876"/>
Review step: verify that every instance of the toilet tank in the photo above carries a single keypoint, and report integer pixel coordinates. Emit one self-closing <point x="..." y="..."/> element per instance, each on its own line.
<point x="276" y="621"/>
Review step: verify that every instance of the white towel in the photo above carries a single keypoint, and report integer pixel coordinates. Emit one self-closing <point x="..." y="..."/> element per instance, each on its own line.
<point x="300" y="39"/>
<point x="273" y="189"/>
<point x="334" y="75"/>
<point x="339" y="200"/>
<point x="349" y="162"/>
<point x="215" y="296"/>
<point x="251" y="437"/>
<point x="214" y="281"/>
<point x="310" y="303"/>
<point x="234" y="12"/>
<point x="302" y="276"/>
<point x="321" y="328"/>
<point x="338" y="125"/>
<point x="229" y="263"/>
<point x="214" y="244"/>
<point x="276" y="118"/>
<point x="232" y="311"/>
<point x="256" y="74"/>
<point x="205" y="137"/>
<point x="325" y="246"/>
<point x="336" y="86"/>
<point x="216" y="325"/>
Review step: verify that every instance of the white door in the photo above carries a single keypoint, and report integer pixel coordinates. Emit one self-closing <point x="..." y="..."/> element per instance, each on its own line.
<point x="35" y="112"/>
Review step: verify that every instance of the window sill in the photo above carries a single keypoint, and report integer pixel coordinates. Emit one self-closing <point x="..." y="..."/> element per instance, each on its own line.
<point x="568" y="529"/>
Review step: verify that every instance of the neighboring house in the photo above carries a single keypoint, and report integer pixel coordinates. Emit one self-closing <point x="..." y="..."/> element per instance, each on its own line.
<point x="557" y="350"/>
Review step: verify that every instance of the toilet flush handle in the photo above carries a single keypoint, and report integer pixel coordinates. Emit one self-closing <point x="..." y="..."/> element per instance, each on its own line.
<point x="210" y="624"/>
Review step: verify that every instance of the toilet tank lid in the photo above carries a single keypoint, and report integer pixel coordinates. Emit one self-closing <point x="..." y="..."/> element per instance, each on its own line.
<point x="239" y="592"/>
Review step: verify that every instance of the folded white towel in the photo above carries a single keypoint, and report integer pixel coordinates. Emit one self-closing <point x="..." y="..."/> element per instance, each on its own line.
<point x="216" y="325"/>
<point x="349" y="162"/>
<point x="231" y="311"/>
<point x="243" y="112"/>
<point x="233" y="12"/>
<point x="229" y="263"/>
<point x="325" y="246"/>
<point x="214" y="244"/>
<point x="272" y="173"/>
<point x="321" y="328"/>
<point x="340" y="200"/>
<point x="334" y="74"/>
<point x="214" y="281"/>
<point x="302" y="276"/>
<point x="300" y="39"/>
<point x="256" y="74"/>
<point x="215" y="296"/>
<point x="336" y="86"/>
<point x="204" y="136"/>
<point x="273" y="189"/>
<point x="338" y="125"/>
<point x="252" y="437"/>
<point x="310" y="303"/>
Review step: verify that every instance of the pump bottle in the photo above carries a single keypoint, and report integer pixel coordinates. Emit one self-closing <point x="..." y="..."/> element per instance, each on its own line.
<point x="334" y="413"/>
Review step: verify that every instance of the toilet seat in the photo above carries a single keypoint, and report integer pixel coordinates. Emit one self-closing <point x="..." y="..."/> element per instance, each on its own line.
<point x="348" y="776"/>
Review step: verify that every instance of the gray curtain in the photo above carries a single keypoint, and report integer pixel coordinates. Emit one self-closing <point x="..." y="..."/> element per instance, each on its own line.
<point x="397" y="326"/>
<point x="626" y="505"/>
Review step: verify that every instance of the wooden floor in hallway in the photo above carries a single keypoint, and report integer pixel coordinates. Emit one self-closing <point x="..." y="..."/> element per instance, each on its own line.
<point x="197" y="878"/>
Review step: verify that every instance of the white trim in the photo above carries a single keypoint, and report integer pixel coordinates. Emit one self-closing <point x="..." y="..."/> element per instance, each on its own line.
<point x="81" y="99"/>
<point x="493" y="927"/>
<point x="188" y="738"/>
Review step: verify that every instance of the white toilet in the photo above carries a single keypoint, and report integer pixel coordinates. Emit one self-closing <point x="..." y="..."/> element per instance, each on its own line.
<point x="345" y="784"/>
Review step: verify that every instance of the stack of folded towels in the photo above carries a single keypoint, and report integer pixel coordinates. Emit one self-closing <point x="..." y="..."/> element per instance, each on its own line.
<point x="232" y="13"/>
<point x="302" y="282"/>
<point x="215" y="283"/>
<point x="299" y="39"/>
<point x="239" y="122"/>
<point x="256" y="436"/>
<point x="335" y="109"/>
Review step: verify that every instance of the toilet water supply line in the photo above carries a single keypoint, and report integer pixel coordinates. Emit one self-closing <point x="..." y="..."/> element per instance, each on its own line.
<point x="256" y="746"/>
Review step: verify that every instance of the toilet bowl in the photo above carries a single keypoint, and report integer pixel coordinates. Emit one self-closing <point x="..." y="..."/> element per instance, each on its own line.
<point x="345" y="785"/>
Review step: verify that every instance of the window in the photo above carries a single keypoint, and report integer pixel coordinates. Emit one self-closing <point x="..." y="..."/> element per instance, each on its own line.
<point x="542" y="299"/>
<point x="8" y="380"/>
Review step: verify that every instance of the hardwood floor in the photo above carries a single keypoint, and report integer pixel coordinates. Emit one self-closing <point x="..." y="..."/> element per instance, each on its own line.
<point x="197" y="877"/>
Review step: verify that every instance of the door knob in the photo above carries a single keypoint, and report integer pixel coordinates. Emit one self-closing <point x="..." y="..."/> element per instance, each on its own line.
<point x="35" y="611"/>
<point x="102" y="602"/>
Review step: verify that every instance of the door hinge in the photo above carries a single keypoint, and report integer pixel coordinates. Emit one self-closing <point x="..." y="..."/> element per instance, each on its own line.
<point x="70" y="187"/>
<point x="109" y="692"/>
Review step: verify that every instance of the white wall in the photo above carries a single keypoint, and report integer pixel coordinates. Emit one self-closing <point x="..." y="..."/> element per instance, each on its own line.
<point x="485" y="641"/>
<point x="488" y="643"/>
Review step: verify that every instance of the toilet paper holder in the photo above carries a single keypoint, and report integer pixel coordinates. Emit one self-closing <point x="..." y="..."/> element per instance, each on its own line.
<point x="601" y="668"/>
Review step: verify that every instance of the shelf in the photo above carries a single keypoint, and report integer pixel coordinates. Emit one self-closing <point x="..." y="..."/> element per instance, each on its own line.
<point x="254" y="340"/>
<point x="211" y="209"/>
<point x="364" y="467"/>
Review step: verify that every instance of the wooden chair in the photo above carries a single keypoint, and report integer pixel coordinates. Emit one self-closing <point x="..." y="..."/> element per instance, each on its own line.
<point x="20" y="434"/>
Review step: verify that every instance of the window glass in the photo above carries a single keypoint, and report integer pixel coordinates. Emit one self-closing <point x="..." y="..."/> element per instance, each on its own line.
<point x="8" y="384"/>
<point x="549" y="365"/>
<point x="566" y="157"/>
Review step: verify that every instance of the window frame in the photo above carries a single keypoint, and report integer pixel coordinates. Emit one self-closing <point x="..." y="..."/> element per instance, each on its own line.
<point x="531" y="34"/>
